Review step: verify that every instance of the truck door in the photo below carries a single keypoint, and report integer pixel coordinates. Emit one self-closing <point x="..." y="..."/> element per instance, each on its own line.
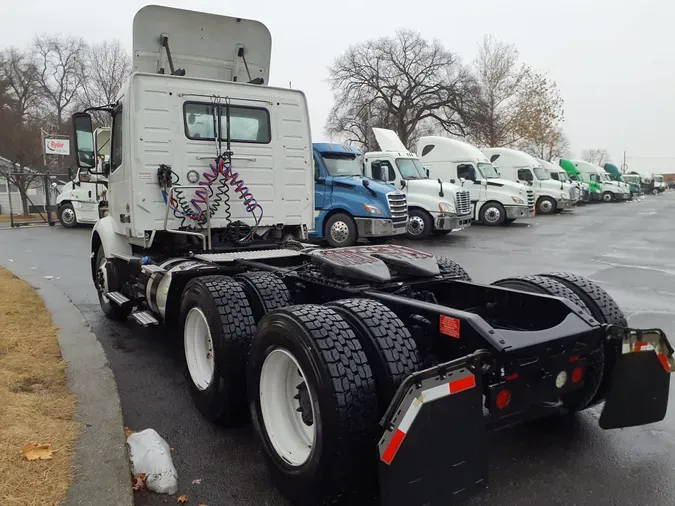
<point x="322" y="188"/>
<point x="471" y="183"/>
<point x="118" y="181"/>
<point x="525" y="176"/>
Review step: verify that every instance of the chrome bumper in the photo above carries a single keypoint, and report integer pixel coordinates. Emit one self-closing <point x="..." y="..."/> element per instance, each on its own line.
<point x="378" y="227"/>
<point x="513" y="212"/>
<point x="565" y="204"/>
<point x="451" y="222"/>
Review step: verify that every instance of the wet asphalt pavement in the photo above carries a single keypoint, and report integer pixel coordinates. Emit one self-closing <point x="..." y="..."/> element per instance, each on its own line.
<point x="627" y="248"/>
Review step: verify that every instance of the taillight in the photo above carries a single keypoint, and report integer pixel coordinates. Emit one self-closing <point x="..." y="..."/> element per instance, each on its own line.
<point x="503" y="399"/>
<point x="577" y="374"/>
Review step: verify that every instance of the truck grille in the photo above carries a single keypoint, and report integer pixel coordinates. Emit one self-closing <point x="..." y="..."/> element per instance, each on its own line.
<point x="573" y="193"/>
<point x="463" y="202"/>
<point x="398" y="206"/>
<point x="530" y="200"/>
<point x="586" y="194"/>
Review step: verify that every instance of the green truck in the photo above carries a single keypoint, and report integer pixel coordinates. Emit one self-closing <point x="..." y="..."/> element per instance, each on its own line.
<point x="615" y="175"/>
<point x="592" y="189"/>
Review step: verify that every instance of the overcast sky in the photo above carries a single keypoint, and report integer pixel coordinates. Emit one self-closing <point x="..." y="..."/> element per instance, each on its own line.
<point x="613" y="60"/>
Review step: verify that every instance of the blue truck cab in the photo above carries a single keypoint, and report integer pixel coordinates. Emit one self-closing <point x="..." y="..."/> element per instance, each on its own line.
<point x="348" y="205"/>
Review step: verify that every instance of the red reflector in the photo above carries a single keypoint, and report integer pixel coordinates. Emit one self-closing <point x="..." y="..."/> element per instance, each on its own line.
<point x="462" y="384"/>
<point x="503" y="399"/>
<point x="639" y="345"/>
<point x="574" y="358"/>
<point x="664" y="362"/>
<point x="577" y="374"/>
<point x="393" y="446"/>
<point x="512" y="377"/>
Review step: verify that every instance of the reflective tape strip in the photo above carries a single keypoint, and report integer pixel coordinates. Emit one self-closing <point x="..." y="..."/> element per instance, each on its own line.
<point x="425" y="397"/>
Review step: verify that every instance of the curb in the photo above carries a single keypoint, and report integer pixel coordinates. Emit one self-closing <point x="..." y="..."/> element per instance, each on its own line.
<point x="102" y="473"/>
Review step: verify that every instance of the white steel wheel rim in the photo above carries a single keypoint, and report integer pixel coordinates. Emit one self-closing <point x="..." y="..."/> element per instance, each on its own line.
<point x="290" y="436"/>
<point x="199" y="348"/>
<point x="607" y="197"/>
<point x="545" y="206"/>
<point x="68" y="216"/>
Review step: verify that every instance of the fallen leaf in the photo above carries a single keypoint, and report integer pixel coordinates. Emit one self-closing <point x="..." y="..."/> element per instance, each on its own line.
<point x="198" y="481"/>
<point x="171" y="450"/>
<point x="183" y="499"/>
<point x="128" y="432"/>
<point x="37" y="451"/>
<point x="140" y="481"/>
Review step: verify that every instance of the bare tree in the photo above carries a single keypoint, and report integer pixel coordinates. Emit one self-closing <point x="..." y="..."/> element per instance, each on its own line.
<point x="20" y="141"/>
<point x="548" y="145"/>
<point x="61" y="64"/>
<point x="514" y="104"/>
<point x="596" y="156"/>
<point x="108" y="66"/>
<point x="403" y="83"/>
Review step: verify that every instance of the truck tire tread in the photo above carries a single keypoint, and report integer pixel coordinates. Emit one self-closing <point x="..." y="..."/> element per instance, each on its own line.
<point x="391" y="350"/>
<point x="450" y="267"/>
<point x="344" y="467"/>
<point x="224" y="401"/>
<point x="265" y="292"/>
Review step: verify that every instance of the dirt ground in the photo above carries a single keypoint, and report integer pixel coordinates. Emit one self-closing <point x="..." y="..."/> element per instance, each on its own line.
<point x="35" y="404"/>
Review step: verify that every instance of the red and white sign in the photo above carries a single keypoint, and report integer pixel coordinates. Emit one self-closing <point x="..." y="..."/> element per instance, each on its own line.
<point x="57" y="146"/>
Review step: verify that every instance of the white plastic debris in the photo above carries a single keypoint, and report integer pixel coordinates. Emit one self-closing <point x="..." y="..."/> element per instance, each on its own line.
<point x="49" y="277"/>
<point x="151" y="455"/>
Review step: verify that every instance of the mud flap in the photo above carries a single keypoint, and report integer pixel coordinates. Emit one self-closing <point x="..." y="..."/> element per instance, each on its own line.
<point x="640" y="385"/>
<point x="434" y="450"/>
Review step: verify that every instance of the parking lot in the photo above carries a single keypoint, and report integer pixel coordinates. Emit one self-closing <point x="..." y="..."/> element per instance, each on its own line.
<point x="626" y="247"/>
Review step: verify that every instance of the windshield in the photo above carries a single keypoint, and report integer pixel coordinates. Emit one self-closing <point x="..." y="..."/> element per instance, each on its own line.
<point x="605" y="177"/>
<point x="562" y="176"/>
<point x="540" y="174"/>
<point x="488" y="171"/>
<point x="410" y="168"/>
<point x="630" y="179"/>
<point x="658" y="179"/>
<point x="341" y="165"/>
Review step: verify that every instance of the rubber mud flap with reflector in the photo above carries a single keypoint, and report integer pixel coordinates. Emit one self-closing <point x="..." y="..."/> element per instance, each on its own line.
<point x="434" y="451"/>
<point x="639" y="391"/>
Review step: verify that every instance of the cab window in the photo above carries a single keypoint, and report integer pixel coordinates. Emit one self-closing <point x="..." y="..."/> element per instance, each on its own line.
<point x="247" y="124"/>
<point x="467" y="172"/>
<point x="116" y="142"/>
<point x="525" y="175"/>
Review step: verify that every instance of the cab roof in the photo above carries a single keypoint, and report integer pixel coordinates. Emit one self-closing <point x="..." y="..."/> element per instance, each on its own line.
<point x="435" y="148"/>
<point x="327" y="147"/>
<point x="505" y="157"/>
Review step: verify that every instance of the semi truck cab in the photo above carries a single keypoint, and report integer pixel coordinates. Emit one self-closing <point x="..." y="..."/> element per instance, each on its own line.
<point x="608" y="190"/>
<point x="551" y="196"/>
<point x="78" y="201"/>
<point x="659" y="183"/>
<point x="349" y="205"/>
<point x="615" y="175"/>
<point x="494" y="200"/>
<point x="576" y="188"/>
<point x="434" y="207"/>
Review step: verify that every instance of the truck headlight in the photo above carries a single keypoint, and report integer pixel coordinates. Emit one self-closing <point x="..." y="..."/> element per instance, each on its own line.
<point x="517" y="200"/>
<point x="445" y="207"/>
<point x="372" y="209"/>
<point x="564" y="196"/>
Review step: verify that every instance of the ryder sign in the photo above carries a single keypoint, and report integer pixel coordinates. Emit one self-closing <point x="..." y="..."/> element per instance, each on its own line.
<point x="57" y="146"/>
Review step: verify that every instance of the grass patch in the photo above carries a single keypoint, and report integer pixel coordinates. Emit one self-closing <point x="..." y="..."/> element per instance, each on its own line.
<point x="35" y="404"/>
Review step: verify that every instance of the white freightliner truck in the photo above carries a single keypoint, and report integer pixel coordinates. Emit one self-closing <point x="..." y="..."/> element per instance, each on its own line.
<point x="611" y="190"/>
<point x="434" y="207"/>
<point x="551" y="196"/>
<point x="557" y="173"/>
<point x="494" y="200"/>
<point x="365" y="370"/>
<point x="78" y="200"/>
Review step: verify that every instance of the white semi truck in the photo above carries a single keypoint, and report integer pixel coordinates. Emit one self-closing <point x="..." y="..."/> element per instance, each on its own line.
<point x="551" y="196"/>
<point x="78" y="200"/>
<point x="434" y="207"/>
<point x="611" y="190"/>
<point x="579" y="191"/>
<point x="347" y="360"/>
<point x="494" y="200"/>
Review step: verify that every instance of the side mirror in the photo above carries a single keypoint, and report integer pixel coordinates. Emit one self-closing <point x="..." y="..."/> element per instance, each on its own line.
<point x="106" y="169"/>
<point x="452" y="181"/>
<point x="84" y="140"/>
<point x="70" y="173"/>
<point x="483" y="182"/>
<point x="428" y="173"/>
<point x="402" y="183"/>
<point x="392" y="175"/>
